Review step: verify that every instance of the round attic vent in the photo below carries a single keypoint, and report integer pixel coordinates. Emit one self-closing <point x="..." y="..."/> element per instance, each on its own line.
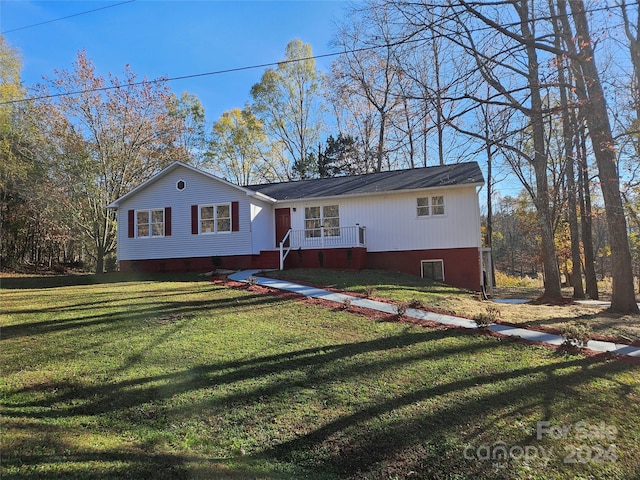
<point x="180" y="185"/>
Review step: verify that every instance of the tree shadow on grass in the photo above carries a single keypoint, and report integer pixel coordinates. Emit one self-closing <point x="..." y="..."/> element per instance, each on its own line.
<point x="56" y="281"/>
<point x="63" y="400"/>
<point x="381" y="441"/>
<point x="94" y="400"/>
<point x="53" y="456"/>
<point x="131" y="313"/>
<point x="423" y="428"/>
<point x="50" y="303"/>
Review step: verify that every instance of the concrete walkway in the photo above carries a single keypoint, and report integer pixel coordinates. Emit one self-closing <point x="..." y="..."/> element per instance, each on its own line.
<point x="448" y="320"/>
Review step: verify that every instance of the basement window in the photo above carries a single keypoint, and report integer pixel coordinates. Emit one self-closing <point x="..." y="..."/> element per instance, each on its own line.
<point x="432" y="270"/>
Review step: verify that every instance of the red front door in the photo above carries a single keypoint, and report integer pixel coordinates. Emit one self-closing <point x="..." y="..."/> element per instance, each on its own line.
<point x="283" y="224"/>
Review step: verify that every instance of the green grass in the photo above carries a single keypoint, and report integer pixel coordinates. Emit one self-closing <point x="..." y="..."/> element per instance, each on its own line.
<point x="176" y="377"/>
<point x="395" y="286"/>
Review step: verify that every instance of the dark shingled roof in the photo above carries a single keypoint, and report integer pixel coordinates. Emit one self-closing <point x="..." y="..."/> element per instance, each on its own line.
<point x="410" y="179"/>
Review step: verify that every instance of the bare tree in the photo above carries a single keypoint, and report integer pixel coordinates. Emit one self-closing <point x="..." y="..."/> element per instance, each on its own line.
<point x="355" y="115"/>
<point x="520" y="50"/>
<point x="505" y="57"/>
<point x="370" y="74"/>
<point x="623" y="297"/>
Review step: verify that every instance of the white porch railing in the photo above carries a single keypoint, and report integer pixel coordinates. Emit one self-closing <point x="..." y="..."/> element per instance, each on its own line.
<point x="338" y="237"/>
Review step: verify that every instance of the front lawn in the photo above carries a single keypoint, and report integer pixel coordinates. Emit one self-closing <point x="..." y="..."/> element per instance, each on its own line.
<point x="178" y="377"/>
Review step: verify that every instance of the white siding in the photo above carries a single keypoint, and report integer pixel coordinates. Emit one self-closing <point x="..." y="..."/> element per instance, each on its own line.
<point x="393" y="224"/>
<point x="199" y="190"/>
<point x="263" y="227"/>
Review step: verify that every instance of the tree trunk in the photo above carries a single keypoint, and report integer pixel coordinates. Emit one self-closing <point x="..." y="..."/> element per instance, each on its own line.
<point x="578" y="290"/>
<point x="99" y="259"/>
<point x="568" y="135"/>
<point x="439" y="111"/>
<point x="623" y="297"/>
<point x="487" y="144"/>
<point x="490" y="213"/>
<point x="584" y="194"/>
<point x="584" y="190"/>
<point x="550" y="262"/>
<point x="380" y="149"/>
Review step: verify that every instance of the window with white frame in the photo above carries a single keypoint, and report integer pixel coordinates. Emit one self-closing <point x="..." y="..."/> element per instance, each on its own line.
<point x="223" y="218"/>
<point x="150" y="223"/>
<point x="430" y="206"/>
<point x="423" y="206"/>
<point x="432" y="270"/>
<point x="312" y="222"/>
<point x="215" y="218"/>
<point x="327" y="216"/>
<point x="331" y="220"/>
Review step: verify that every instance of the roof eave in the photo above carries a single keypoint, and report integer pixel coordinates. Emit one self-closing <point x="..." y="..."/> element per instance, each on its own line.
<point x="261" y="196"/>
<point x="385" y="192"/>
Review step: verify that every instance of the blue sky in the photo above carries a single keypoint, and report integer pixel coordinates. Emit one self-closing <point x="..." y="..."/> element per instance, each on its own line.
<point x="170" y="38"/>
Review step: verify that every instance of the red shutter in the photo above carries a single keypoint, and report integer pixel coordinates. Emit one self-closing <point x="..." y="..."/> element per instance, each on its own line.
<point x="194" y="219"/>
<point x="167" y="221"/>
<point x="132" y="224"/>
<point x="235" y="217"/>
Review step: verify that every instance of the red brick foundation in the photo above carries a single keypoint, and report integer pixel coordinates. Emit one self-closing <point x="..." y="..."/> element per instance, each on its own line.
<point x="461" y="265"/>
<point x="338" y="258"/>
<point x="191" y="264"/>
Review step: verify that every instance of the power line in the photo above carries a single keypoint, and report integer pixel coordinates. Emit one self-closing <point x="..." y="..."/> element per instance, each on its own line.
<point x="196" y="75"/>
<point x="220" y="72"/>
<point x="64" y="18"/>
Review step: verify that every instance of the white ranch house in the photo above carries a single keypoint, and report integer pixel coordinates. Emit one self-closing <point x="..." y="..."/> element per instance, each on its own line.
<point x="422" y="221"/>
